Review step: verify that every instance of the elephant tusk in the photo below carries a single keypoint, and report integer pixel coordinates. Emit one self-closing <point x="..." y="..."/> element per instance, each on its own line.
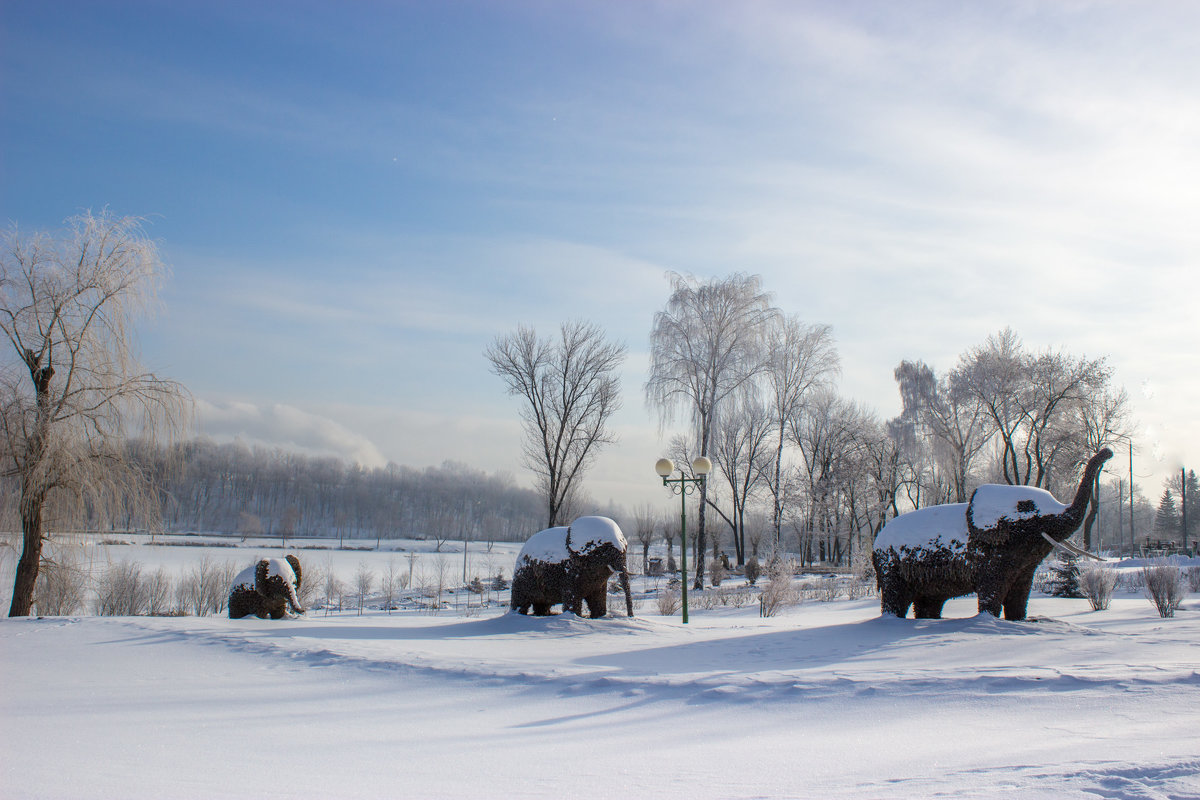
<point x="1070" y="547"/>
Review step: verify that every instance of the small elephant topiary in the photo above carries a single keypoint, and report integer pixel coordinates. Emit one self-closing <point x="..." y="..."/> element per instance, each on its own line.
<point x="571" y="565"/>
<point x="266" y="589"/>
<point x="990" y="546"/>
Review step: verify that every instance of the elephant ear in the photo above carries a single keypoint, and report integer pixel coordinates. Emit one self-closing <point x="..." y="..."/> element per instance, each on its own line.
<point x="295" y="562"/>
<point x="986" y="522"/>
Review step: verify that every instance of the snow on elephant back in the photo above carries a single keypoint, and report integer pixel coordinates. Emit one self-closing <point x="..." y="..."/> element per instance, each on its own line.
<point x="570" y="566"/>
<point x="266" y="588"/>
<point x="990" y="546"/>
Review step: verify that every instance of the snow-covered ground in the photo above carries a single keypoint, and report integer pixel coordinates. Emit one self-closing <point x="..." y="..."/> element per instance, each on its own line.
<point x="826" y="700"/>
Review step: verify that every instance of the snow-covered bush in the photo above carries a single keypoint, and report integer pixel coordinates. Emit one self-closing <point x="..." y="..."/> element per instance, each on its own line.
<point x="1097" y="584"/>
<point x="862" y="566"/>
<point x="1164" y="587"/>
<point x="779" y="593"/>
<point x="1193" y="578"/>
<point x="857" y="587"/>
<point x="668" y="602"/>
<point x="61" y="586"/>
<point x="753" y="570"/>
<point x="717" y="572"/>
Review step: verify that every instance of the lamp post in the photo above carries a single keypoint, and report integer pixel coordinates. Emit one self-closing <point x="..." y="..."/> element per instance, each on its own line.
<point x="1132" y="536"/>
<point x="683" y="486"/>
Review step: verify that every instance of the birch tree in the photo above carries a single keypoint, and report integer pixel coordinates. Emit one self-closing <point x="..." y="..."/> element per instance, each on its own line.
<point x="71" y="386"/>
<point x="705" y="345"/>
<point x="571" y="389"/>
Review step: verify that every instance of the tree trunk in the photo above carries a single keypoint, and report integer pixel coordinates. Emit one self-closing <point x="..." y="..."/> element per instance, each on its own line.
<point x="31" y="558"/>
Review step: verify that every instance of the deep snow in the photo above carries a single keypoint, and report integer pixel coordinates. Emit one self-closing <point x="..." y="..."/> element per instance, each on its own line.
<point x="825" y="700"/>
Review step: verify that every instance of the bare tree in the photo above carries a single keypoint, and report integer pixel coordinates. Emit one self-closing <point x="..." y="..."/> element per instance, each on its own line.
<point x="705" y="345"/>
<point x="947" y="412"/>
<point x="364" y="582"/>
<point x="1033" y="403"/>
<point x="801" y="358"/>
<point x="645" y="523"/>
<point x="741" y="454"/>
<point x="571" y="389"/>
<point x="72" y="389"/>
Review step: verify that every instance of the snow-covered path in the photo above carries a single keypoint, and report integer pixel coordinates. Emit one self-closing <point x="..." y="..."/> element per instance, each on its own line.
<point x="826" y="701"/>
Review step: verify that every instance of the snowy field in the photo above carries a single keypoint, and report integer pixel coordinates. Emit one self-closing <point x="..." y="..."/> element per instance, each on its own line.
<point x="826" y="700"/>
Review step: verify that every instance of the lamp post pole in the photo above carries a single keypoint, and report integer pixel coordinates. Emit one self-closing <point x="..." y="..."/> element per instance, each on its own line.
<point x="683" y="486"/>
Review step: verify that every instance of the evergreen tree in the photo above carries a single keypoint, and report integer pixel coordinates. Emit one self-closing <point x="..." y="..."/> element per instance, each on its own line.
<point x="1191" y="492"/>
<point x="1166" y="520"/>
<point x="1064" y="576"/>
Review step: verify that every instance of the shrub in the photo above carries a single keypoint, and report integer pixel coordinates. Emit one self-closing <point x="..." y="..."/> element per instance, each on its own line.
<point x="159" y="591"/>
<point x="668" y="602"/>
<point x="312" y="577"/>
<point x="1193" y="579"/>
<point x="753" y="570"/>
<point x="779" y="593"/>
<point x="1164" y="588"/>
<point x="1064" y="577"/>
<point x="61" y="586"/>
<point x="120" y="591"/>
<point x="717" y="572"/>
<point x="205" y="588"/>
<point x="857" y="588"/>
<point x="1097" y="584"/>
<point x="828" y="589"/>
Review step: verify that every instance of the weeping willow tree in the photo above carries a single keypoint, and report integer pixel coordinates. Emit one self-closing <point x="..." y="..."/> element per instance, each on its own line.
<point x="72" y="389"/>
<point x="706" y="345"/>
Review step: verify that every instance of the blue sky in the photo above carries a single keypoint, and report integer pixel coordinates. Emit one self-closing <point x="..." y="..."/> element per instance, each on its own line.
<point x="356" y="197"/>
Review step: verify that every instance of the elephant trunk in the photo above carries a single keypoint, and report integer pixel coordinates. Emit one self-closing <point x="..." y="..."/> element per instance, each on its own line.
<point x="1073" y="516"/>
<point x="624" y="578"/>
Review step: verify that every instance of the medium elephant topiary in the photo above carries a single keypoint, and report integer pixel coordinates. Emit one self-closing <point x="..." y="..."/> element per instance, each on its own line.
<point x="990" y="546"/>
<point x="266" y="589"/>
<point x="571" y="565"/>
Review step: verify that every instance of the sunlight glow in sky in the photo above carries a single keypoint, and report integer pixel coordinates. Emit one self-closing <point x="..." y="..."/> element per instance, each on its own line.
<point x="355" y="198"/>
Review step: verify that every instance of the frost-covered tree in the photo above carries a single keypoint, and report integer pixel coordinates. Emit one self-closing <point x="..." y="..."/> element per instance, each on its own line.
<point x="571" y="389"/>
<point x="706" y="344"/>
<point x="801" y="358"/>
<point x="71" y="386"/>
<point x="1034" y="402"/>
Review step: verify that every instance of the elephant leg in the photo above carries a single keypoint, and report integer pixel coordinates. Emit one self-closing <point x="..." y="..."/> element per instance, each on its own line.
<point x="1016" y="601"/>
<point x="895" y="597"/>
<point x="541" y="609"/>
<point x="928" y="606"/>
<point x="991" y="595"/>
<point x="597" y="603"/>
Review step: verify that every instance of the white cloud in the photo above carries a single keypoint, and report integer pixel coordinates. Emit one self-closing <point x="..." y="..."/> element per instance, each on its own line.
<point x="286" y="427"/>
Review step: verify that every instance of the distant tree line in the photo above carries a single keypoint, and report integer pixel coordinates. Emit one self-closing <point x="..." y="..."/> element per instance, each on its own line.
<point x="205" y="486"/>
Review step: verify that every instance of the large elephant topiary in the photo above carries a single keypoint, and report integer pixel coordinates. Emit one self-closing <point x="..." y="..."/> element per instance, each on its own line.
<point x="266" y="589"/>
<point x="571" y="565"/>
<point x="990" y="546"/>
